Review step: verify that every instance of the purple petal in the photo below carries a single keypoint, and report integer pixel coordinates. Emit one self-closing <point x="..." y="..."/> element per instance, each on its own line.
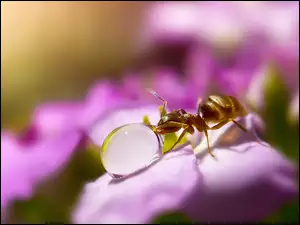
<point x="24" y="165"/>
<point x="169" y="86"/>
<point x="170" y="21"/>
<point x="101" y="98"/>
<point x="200" y="69"/>
<point x="140" y="198"/>
<point x="277" y="20"/>
<point x="133" y="87"/>
<point x="287" y="58"/>
<point x="54" y="118"/>
<point x="246" y="182"/>
<point x="234" y="21"/>
<point x="250" y="25"/>
<point x="254" y="93"/>
<point x="103" y="127"/>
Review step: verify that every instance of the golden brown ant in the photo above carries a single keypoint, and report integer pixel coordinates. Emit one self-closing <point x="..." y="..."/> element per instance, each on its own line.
<point x="217" y="109"/>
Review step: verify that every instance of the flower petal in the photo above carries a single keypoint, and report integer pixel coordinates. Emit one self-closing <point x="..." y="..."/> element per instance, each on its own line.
<point x="242" y="172"/>
<point x="101" y="98"/>
<point x="170" y="21"/>
<point x="141" y="197"/>
<point x="23" y="166"/>
<point x="105" y="125"/>
<point x="167" y="84"/>
<point x="245" y="182"/>
<point x="54" y="118"/>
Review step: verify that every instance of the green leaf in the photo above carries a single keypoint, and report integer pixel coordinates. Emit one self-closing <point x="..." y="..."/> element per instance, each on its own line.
<point x="289" y="214"/>
<point x="279" y="131"/>
<point x="171" y="217"/>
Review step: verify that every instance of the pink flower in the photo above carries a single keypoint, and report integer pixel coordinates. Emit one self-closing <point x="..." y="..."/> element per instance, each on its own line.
<point x="226" y="43"/>
<point x="48" y="143"/>
<point x="25" y="164"/>
<point x="220" y="22"/>
<point x="246" y="181"/>
<point x="52" y="119"/>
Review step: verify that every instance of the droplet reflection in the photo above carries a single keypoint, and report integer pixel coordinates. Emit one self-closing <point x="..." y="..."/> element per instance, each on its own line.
<point x="130" y="148"/>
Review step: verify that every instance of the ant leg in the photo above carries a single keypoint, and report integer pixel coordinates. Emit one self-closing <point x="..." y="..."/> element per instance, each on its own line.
<point x="178" y="140"/>
<point x="219" y="125"/>
<point x="163" y="110"/>
<point x="170" y="124"/>
<point x="152" y="127"/>
<point x="188" y="129"/>
<point x="239" y="125"/>
<point x="253" y="132"/>
<point x="208" y="146"/>
<point x="178" y="125"/>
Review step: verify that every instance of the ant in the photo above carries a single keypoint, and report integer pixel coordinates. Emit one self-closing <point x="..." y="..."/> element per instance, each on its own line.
<point x="217" y="109"/>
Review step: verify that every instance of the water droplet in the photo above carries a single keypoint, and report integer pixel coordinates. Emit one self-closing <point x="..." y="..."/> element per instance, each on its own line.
<point x="129" y="149"/>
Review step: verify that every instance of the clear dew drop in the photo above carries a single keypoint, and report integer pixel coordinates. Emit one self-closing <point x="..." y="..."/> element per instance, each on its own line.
<point x="129" y="149"/>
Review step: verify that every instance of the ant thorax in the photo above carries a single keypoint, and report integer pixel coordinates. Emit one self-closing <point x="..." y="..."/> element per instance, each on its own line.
<point x="185" y="116"/>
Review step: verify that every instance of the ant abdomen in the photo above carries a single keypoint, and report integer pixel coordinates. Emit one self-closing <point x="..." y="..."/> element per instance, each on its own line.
<point x="209" y="113"/>
<point x="218" y="108"/>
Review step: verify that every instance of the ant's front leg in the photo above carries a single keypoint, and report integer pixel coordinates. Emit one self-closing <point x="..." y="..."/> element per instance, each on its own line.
<point x="152" y="127"/>
<point x="188" y="129"/>
<point x="172" y="124"/>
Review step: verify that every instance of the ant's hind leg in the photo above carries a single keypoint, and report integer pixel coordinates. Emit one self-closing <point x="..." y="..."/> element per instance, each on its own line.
<point x="253" y="132"/>
<point x="219" y="125"/>
<point x="239" y="125"/>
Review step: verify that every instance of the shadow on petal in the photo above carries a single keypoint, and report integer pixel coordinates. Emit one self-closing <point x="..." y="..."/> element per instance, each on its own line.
<point x="245" y="182"/>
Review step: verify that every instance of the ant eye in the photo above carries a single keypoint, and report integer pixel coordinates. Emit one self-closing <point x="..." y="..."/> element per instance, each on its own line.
<point x="129" y="148"/>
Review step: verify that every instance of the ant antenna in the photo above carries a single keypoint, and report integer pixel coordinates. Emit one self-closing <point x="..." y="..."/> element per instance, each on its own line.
<point x="151" y="91"/>
<point x="163" y="110"/>
<point x="199" y="101"/>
